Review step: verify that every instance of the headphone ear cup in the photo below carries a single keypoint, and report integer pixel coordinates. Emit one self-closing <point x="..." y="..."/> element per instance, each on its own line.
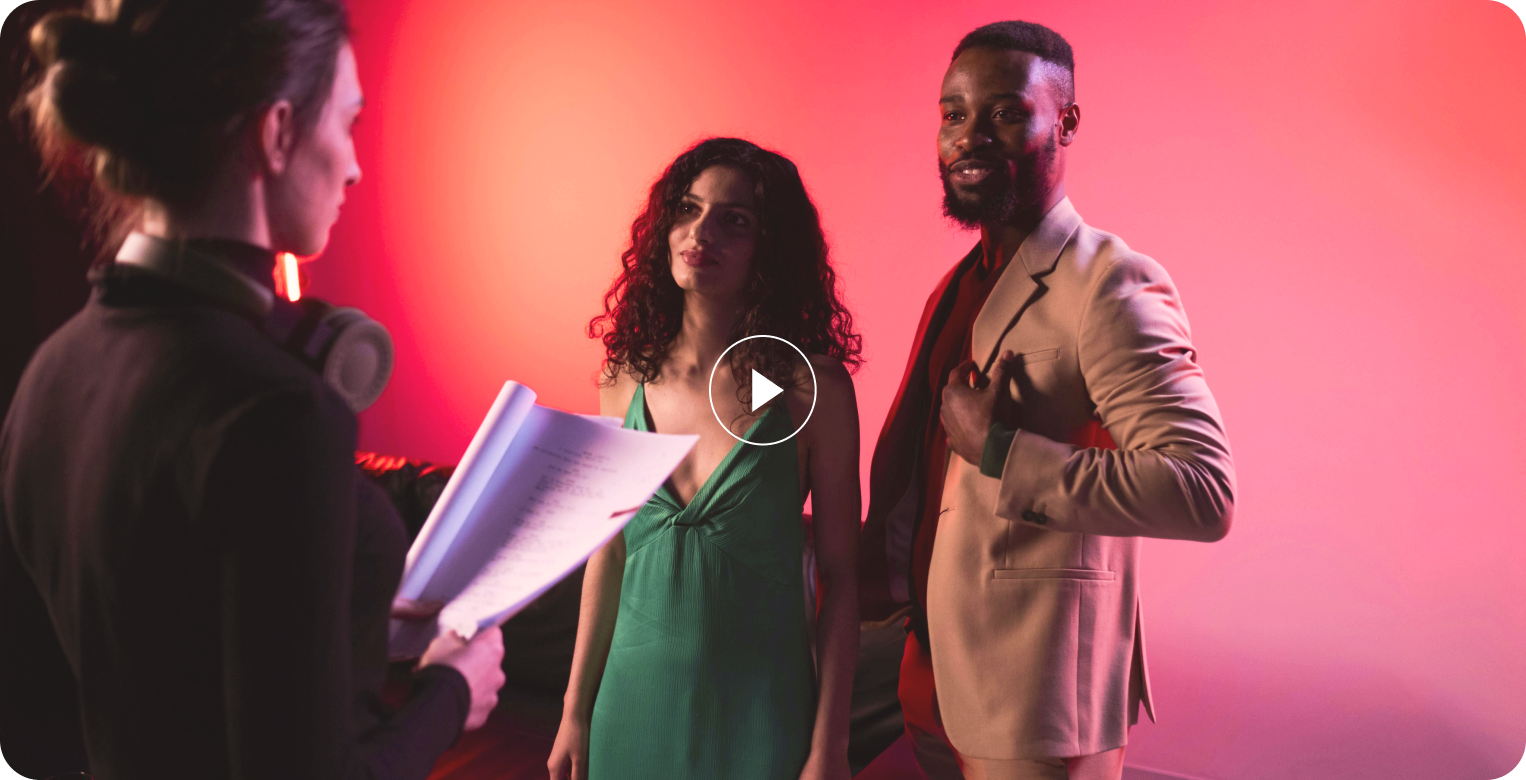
<point x="351" y="351"/>
<point x="357" y="361"/>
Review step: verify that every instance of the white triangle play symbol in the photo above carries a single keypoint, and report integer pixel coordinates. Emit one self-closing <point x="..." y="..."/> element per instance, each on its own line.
<point x="763" y="390"/>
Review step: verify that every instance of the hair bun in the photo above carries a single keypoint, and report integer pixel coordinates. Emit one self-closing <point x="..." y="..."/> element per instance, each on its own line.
<point x="86" y="85"/>
<point x="70" y="37"/>
<point x="152" y="94"/>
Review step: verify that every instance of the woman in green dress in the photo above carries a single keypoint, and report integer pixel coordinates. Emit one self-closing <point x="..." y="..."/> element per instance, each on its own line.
<point x="694" y="655"/>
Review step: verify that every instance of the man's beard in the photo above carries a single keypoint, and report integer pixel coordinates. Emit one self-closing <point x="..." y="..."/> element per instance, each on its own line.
<point x="1002" y="196"/>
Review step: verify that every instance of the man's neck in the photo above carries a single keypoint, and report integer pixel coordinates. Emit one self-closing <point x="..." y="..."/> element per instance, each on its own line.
<point x="1000" y="242"/>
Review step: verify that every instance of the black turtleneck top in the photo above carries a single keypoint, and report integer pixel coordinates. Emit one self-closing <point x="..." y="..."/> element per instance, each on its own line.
<point x="195" y="579"/>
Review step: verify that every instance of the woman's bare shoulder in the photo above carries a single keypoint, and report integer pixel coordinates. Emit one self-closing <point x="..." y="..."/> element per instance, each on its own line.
<point x="836" y="402"/>
<point x="615" y="394"/>
<point x="832" y="377"/>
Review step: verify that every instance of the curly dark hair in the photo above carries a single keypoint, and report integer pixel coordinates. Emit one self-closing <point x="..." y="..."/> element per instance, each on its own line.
<point x="791" y="293"/>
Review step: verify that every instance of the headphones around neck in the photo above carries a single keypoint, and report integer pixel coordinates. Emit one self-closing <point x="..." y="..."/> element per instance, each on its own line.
<point x="351" y="351"/>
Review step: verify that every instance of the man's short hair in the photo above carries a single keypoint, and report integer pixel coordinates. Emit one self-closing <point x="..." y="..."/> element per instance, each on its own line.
<point x="1036" y="39"/>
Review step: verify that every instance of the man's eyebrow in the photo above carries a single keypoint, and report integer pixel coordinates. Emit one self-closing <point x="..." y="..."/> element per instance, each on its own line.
<point x="998" y="96"/>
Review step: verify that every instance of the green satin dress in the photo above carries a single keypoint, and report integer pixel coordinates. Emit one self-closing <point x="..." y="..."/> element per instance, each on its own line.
<point x="710" y="673"/>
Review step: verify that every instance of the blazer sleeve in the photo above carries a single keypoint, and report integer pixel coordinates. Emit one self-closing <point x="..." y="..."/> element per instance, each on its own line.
<point x="282" y="491"/>
<point x="1171" y="476"/>
<point x="40" y="732"/>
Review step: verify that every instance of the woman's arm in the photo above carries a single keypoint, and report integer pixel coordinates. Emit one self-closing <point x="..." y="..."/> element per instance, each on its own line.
<point x="596" y="626"/>
<point x="835" y="505"/>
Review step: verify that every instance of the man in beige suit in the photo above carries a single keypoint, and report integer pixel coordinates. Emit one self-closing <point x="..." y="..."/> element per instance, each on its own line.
<point x="1003" y="517"/>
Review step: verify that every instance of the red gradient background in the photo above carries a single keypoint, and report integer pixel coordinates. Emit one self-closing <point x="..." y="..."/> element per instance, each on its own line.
<point x="1337" y="188"/>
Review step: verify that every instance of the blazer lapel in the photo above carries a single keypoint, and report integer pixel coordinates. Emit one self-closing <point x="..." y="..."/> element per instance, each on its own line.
<point x="1011" y="296"/>
<point x="1020" y="285"/>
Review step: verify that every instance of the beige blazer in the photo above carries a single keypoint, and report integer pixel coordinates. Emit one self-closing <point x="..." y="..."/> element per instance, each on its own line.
<point x="1033" y="608"/>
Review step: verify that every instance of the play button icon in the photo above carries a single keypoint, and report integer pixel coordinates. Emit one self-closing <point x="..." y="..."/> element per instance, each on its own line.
<point x="763" y="390"/>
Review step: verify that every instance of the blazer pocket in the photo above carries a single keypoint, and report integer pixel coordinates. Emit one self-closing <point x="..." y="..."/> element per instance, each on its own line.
<point x="1053" y="574"/>
<point x="1040" y="355"/>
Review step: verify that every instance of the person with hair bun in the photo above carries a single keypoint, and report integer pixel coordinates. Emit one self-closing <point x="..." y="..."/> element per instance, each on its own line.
<point x="195" y="580"/>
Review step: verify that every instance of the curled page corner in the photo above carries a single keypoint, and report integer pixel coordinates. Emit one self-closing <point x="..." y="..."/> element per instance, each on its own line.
<point x="465" y="487"/>
<point x="533" y="505"/>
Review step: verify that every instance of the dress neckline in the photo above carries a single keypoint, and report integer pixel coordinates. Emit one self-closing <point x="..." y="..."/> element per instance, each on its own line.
<point x="704" y="488"/>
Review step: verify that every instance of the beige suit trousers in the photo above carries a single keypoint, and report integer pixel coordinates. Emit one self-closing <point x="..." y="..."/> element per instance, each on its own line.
<point x="940" y="760"/>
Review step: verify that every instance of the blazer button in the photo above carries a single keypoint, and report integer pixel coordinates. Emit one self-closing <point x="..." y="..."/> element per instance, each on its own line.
<point x="1035" y="517"/>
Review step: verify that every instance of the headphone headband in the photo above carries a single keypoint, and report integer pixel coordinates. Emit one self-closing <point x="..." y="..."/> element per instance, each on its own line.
<point x="352" y="351"/>
<point x="202" y="272"/>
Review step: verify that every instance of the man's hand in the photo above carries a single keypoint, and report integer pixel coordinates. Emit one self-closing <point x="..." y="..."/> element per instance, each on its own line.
<point x="972" y="400"/>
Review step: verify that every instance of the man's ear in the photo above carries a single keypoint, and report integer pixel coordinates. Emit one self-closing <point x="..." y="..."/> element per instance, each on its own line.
<point x="278" y="134"/>
<point x="1070" y="121"/>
